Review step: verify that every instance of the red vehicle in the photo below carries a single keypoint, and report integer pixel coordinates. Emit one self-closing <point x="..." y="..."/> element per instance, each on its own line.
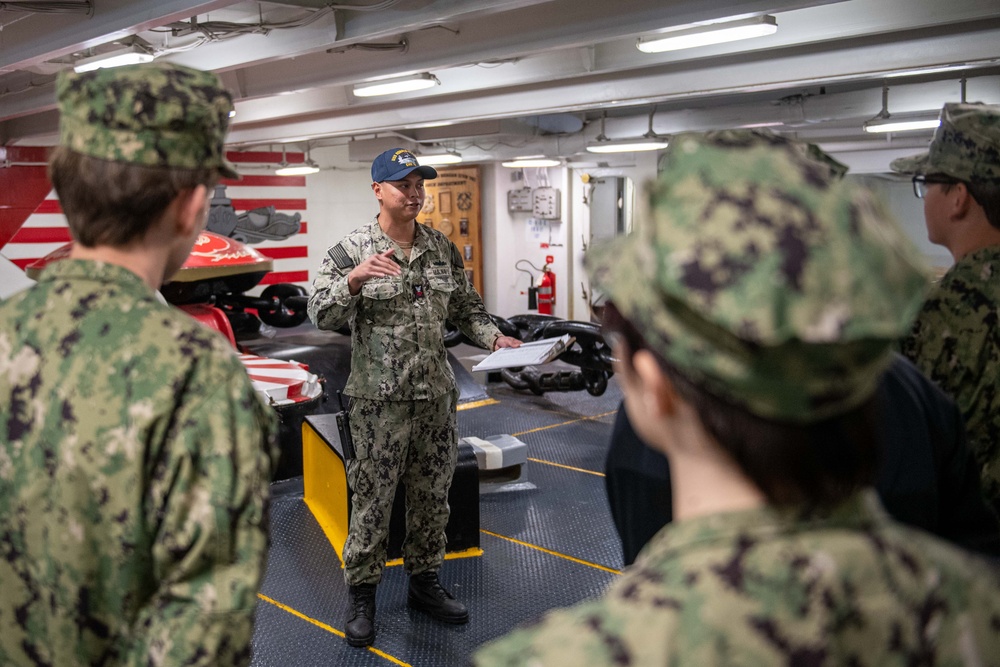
<point x="210" y="288"/>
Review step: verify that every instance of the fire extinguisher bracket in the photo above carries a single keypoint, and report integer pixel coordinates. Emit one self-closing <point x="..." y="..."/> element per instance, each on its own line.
<point x="541" y="295"/>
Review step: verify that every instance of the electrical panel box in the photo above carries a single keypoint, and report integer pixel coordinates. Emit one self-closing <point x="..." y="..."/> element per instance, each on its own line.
<point x="546" y="203"/>
<point x="519" y="200"/>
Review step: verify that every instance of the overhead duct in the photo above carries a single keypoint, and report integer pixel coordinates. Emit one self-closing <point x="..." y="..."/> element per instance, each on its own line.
<point x="554" y="123"/>
<point x="366" y="150"/>
<point x="67" y="7"/>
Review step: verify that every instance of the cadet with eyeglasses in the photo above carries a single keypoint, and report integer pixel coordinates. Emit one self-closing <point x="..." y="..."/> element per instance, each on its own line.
<point x="752" y="317"/>
<point x="956" y="338"/>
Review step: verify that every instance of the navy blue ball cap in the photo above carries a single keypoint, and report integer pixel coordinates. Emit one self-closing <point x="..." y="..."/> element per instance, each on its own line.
<point x="396" y="163"/>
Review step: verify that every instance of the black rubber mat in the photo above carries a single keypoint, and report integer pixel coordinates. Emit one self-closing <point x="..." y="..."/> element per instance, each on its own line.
<point x="558" y="402"/>
<point x="543" y="548"/>
<point x="281" y="639"/>
<point x="510" y="584"/>
<point x="567" y="513"/>
<point x="581" y="444"/>
<point x="499" y="418"/>
<point x="518" y="412"/>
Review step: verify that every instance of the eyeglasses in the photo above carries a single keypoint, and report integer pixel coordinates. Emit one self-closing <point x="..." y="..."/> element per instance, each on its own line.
<point x="921" y="182"/>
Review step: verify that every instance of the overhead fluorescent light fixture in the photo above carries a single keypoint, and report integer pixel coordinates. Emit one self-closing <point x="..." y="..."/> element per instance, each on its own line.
<point x="522" y="162"/>
<point x="131" y="55"/>
<point x="884" y="121"/>
<point x="626" y="145"/>
<point x="304" y="169"/>
<point x="650" y="141"/>
<point x="712" y="33"/>
<point x="957" y="68"/>
<point x="900" y="125"/>
<point x="433" y="159"/>
<point x="297" y="170"/>
<point x="399" y="84"/>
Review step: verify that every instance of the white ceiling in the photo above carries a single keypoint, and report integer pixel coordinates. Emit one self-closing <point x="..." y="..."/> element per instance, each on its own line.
<point x="523" y="77"/>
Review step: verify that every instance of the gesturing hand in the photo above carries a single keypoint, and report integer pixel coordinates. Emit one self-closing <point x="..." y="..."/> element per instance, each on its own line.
<point x="375" y="266"/>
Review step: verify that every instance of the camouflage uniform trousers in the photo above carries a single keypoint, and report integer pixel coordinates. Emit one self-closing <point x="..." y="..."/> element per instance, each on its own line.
<point x="413" y="442"/>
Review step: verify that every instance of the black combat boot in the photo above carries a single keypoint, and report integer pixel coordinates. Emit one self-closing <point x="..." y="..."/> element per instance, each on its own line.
<point x="360" y="627"/>
<point x="428" y="595"/>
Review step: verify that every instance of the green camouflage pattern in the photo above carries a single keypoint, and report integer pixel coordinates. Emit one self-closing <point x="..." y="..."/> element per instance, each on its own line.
<point x="398" y="350"/>
<point x="404" y="393"/>
<point x="415" y="442"/>
<point x="766" y="277"/>
<point x="135" y="458"/>
<point x="770" y="587"/>
<point x="956" y="342"/>
<point x="154" y="114"/>
<point x="966" y="145"/>
<point x="837" y="169"/>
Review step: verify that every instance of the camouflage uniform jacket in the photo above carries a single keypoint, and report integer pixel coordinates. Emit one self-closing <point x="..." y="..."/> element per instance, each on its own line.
<point x="134" y="466"/>
<point x="397" y="322"/>
<point x="956" y="342"/>
<point x="764" y="587"/>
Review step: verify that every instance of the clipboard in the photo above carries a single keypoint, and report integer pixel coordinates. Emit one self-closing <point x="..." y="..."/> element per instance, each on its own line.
<point x="529" y="354"/>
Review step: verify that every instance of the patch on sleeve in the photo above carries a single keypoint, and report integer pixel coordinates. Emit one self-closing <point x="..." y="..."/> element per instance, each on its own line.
<point x="456" y="257"/>
<point x="340" y="257"/>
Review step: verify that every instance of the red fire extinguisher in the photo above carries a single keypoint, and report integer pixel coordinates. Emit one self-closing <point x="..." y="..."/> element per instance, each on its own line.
<point x="547" y="288"/>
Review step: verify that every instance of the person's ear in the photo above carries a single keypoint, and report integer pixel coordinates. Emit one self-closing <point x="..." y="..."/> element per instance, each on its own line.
<point x="657" y="391"/>
<point x="961" y="200"/>
<point x="192" y="210"/>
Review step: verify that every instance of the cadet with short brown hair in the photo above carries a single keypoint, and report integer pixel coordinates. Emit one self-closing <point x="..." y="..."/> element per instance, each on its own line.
<point x="135" y="454"/>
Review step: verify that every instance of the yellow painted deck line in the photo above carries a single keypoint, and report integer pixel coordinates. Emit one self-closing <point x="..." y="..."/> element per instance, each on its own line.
<point x="329" y="628"/>
<point x="476" y="404"/>
<point x="560" y="465"/>
<point x="471" y="552"/>
<point x="552" y="553"/>
<point x="571" y="421"/>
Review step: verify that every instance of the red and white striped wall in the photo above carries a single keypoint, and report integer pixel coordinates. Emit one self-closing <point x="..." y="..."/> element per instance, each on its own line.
<point x="32" y="223"/>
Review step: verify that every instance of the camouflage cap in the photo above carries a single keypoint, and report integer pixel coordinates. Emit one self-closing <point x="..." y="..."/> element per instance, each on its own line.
<point x="764" y="277"/>
<point x="155" y="114"/>
<point x="837" y="169"/>
<point x="966" y="145"/>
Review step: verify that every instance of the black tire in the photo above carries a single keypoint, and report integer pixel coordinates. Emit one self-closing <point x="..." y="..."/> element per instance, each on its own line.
<point x="528" y="324"/>
<point x="506" y="327"/>
<point x="589" y="351"/>
<point x="595" y="382"/>
<point x="243" y="324"/>
<point x="453" y="335"/>
<point x="281" y="315"/>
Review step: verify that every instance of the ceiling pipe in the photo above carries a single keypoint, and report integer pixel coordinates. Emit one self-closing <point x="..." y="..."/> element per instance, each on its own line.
<point x="65" y="7"/>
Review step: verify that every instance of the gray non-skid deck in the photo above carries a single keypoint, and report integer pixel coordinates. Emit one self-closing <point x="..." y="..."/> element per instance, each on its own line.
<point x="543" y="547"/>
